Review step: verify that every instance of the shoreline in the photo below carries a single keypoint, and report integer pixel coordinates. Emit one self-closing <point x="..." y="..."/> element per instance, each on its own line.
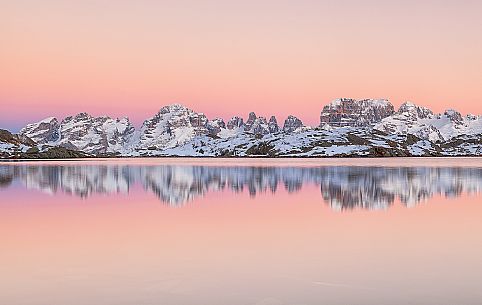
<point x="261" y="162"/>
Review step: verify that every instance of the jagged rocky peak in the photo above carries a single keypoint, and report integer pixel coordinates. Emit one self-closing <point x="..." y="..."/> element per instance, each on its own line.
<point x="273" y="124"/>
<point x="414" y="111"/>
<point x="251" y="119"/>
<point x="96" y="134"/>
<point x="292" y="123"/>
<point x="173" y="125"/>
<point x="44" y="131"/>
<point x="119" y="128"/>
<point x="178" y="115"/>
<point x="260" y="126"/>
<point x="214" y="126"/>
<point x="350" y="112"/>
<point x="198" y="120"/>
<point x="472" y="117"/>
<point x="80" y="117"/>
<point x="173" y="108"/>
<point x="235" y="122"/>
<point x="257" y="125"/>
<point x="454" y="116"/>
<point x="83" y="132"/>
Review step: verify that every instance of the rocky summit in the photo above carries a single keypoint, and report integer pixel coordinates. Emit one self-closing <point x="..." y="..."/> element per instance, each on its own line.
<point x="349" y="112"/>
<point x="348" y="128"/>
<point x="83" y="132"/>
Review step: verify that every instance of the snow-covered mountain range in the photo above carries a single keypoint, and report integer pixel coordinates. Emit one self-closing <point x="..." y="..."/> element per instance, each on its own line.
<point x="347" y="128"/>
<point x="342" y="187"/>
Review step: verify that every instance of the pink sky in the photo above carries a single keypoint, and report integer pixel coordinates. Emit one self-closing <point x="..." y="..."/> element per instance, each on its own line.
<point x="225" y="58"/>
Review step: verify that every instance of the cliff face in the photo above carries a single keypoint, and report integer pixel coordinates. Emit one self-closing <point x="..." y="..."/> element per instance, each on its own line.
<point x="292" y="123"/>
<point x="173" y="125"/>
<point x="82" y="132"/>
<point x="45" y="131"/>
<point x="350" y="112"/>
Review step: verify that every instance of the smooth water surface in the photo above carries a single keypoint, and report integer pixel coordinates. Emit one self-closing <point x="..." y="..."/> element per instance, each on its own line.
<point x="227" y="231"/>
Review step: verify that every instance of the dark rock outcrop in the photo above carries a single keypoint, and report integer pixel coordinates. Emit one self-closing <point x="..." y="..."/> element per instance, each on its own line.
<point x="273" y="125"/>
<point x="292" y="123"/>
<point x="235" y="122"/>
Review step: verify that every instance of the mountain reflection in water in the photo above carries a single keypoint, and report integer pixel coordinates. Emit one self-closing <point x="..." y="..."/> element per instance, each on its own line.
<point x="342" y="187"/>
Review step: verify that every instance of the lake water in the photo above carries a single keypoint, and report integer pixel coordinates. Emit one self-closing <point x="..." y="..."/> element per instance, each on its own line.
<point x="227" y="231"/>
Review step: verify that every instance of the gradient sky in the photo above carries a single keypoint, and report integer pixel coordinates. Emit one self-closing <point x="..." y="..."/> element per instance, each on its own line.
<point x="129" y="58"/>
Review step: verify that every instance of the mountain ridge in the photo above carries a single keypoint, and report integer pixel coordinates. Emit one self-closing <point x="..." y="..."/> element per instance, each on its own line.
<point x="347" y="128"/>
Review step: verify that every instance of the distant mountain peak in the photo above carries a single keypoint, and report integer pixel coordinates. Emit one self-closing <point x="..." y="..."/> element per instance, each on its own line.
<point x="454" y="115"/>
<point x="350" y="112"/>
<point x="235" y="122"/>
<point x="414" y="110"/>
<point x="42" y="132"/>
<point x="273" y="125"/>
<point x="292" y="123"/>
<point x="175" y="107"/>
<point x="347" y="127"/>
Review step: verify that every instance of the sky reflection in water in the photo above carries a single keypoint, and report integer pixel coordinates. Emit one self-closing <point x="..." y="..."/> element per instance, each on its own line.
<point x="258" y="232"/>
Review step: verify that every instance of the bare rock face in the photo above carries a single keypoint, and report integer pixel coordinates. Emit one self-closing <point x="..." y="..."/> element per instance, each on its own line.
<point x="260" y="126"/>
<point x="14" y="145"/>
<point x="14" y="139"/>
<point x="178" y="116"/>
<point x="454" y="116"/>
<point x="198" y="120"/>
<point x="249" y="123"/>
<point x="292" y="123"/>
<point x="273" y="125"/>
<point x="45" y="131"/>
<point x="96" y="135"/>
<point x="256" y="125"/>
<point x="83" y="132"/>
<point x="350" y="112"/>
<point x="235" y="122"/>
<point x="414" y="112"/>
<point x="214" y="126"/>
<point x="173" y="125"/>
